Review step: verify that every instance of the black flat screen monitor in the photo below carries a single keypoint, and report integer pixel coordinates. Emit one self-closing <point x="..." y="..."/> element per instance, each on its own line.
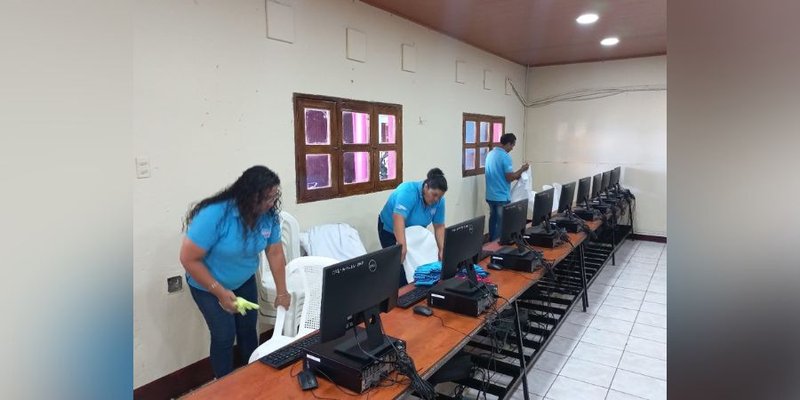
<point x="567" y="197"/>
<point x="615" y="173"/>
<point x="462" y="245"/>
<point x="513" y="222"/>
<point x="605" y="182"/>
<point x="355" y="291"/>
<point x="542" y="206"/>
<point x="596" y="185"/>
<point x="584" y="187"/>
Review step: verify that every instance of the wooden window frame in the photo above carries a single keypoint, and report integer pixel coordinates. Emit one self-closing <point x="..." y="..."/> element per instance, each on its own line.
<point x="478" y="118"/>
<point x="337" y="147"/>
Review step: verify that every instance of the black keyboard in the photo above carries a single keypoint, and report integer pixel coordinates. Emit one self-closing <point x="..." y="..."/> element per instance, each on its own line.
<point x="413" y="297"/>
<point x="290" y="353"/>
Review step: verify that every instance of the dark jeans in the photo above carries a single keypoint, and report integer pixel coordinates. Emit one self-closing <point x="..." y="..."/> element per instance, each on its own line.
<point x="387" y="240"/>
<point x="225" y="327"/>
<point x="495" y="218"/>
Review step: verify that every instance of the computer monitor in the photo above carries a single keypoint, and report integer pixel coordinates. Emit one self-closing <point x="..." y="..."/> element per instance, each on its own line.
<point x="584" y="187"/>
<point x="615" y="173"/>
<point x="567" y="197"/>
<point x="462" y="245"/>
<point x="605" y="181"/>
<point x="356" y="291"/>
<point x="513" y="222"/>
<point x="596" y="180"/>
<point x="542" y="207"/>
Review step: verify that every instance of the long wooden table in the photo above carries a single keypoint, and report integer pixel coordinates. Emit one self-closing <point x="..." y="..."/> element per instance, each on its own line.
<point x="430" y="342"/>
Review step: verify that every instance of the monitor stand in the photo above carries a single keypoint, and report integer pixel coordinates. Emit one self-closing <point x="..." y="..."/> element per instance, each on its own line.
<point x="369" y="347"/>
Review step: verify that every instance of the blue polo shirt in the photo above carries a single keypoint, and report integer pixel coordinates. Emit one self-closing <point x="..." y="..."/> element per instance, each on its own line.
<point x="407" y="201"/>
<point x="231" y="257"/>
<point x="498" y="163"/>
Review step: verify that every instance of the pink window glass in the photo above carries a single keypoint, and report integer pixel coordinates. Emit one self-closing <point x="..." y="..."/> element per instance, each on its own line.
<point x="356" y="167"/>
<point x="469" y="132"/>
<point x="318" y="128"/>
<point x="355" y="127"/>
<point x="484" y="132"/>
<point x="387" y="128"/>
<point x="388" y="165"/>
<point x="469" y="159"/>
<point x="497" y="131"/>
<point x="318" y="171"/>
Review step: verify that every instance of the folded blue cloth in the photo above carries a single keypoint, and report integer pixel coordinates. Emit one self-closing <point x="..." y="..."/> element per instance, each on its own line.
<point x="429" y="274"/>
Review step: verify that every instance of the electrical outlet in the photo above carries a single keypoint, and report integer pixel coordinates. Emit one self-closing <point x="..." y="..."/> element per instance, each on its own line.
<point x="142" y="167"/>
<point x="174" y="284"/>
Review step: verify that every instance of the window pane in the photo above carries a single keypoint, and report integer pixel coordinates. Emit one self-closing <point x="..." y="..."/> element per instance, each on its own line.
<point x="318" y="128"/>
<point x="469" y="159"/>
<point x="356" y="167"/>
<point x="484" y="132"/>
<point x="484" y="151"/>
<point x="355" y="127"/>
<point x="387" y="128"/>
<point x="318" y="171"/>
<point x="388" y="167"/>
<point x="469" y="135"/>
<point x="497" y="131"/>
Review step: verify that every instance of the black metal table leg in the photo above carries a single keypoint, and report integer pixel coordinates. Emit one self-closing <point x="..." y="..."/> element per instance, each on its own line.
<point x="521" y="348"/>
<point x="583" y="276"/>
<point x="613" y="240"/>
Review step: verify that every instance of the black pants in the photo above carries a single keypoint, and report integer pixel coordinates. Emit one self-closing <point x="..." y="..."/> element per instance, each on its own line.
<point x="387" y="240"/>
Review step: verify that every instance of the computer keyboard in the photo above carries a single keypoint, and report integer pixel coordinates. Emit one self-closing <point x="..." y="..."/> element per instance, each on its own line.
<point x="290" y="353"/>
<point x="413" y="297"/>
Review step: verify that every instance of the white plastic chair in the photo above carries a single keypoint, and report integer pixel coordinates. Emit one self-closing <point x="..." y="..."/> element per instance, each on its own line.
<point x="309" y="271"/>
<point x="290" y="231"/>
<point x="422" y="249"/>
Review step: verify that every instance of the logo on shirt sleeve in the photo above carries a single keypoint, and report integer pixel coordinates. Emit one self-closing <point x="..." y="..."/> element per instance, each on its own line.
<point x="400" y="207"/>
<point x="266" y="233"/>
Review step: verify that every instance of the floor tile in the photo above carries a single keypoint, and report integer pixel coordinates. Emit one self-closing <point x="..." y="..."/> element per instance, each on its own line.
<point x="539" y="381"/>
<point x="649" y="332"/>
<point x="561" y="345"/>
<point x="570" y="330"/>
<point x="636" y="274"/>
<point x="622" y="302"/>
<point x="635" y="284"/>
<point x="578" y="317"/>
<point x="644" y="365"/>
<point x="639" y="385"/>
<point x="658" y="288"/>
<point x="651" y="319"/>
<point x="550" y="362"/>
<point x="589" y="372"/>
<point x="654" y="297"/>
<point x="605" y="338"/>
<point x="654" y="308"/>
<point x="596" y="353"/>
<point x="615" y="395"/>
<point x="617" y="312"/>
<point x="600" y="288"/>
<point x="628" y="293"/>
<point x="570" y="389"/>
<point x="638" y="259"/>
<point x="518" y="395"/>
<point x="611" y="324"/>
<point x="646" y="347"/>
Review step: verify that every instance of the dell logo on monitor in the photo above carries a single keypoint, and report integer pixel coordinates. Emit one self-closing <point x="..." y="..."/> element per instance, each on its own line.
<point x="373" y="266"/>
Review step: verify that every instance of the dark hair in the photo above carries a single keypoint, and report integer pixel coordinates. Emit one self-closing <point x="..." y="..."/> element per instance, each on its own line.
<point x="436" y="180"/>
<point x="508" y="138"/>
<point x="247" y="191"/>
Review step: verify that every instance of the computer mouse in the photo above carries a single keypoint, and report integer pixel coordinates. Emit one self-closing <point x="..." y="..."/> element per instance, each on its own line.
<point x="423" y="310"/>
<point x="307" y="380"/>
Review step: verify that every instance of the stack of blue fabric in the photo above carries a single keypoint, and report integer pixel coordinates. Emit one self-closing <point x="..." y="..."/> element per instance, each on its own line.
<point x="429" y="274"/>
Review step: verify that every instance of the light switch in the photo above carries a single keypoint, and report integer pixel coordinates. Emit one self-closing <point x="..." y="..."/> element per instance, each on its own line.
<point x="142" y="167"/>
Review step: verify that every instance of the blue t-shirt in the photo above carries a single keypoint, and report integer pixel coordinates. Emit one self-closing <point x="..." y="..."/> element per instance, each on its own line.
<point x="407" y="201"/>
<point x="498" y="163"/>
<point x="231" y="257"/>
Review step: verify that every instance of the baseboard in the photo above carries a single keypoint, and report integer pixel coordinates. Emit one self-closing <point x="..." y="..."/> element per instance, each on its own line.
<point x="649" y="238"/>
<point x="187" y="378"/>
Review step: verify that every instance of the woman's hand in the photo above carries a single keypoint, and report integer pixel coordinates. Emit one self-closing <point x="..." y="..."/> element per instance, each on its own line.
<point x="283" y="300"/>
<point x="227" y="300"/>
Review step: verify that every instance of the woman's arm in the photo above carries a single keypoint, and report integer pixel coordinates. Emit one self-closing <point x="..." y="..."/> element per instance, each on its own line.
<point x="277" y="265"/>
<point x="191" y="258"/>
<point x="438" y="232"/>
<point x="399" y="225"/>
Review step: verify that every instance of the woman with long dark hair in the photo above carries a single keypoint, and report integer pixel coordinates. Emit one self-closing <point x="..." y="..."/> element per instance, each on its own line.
<point x="224" y="235"/>
<point x="410" y="204"/>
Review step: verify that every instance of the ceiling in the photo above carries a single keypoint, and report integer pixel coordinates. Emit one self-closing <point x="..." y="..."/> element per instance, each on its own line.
<point x="543" y="32"/>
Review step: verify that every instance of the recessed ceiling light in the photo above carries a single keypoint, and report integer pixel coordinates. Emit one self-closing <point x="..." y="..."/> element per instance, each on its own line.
<point x="587" y="19"/>
<point x="609" y="41"/>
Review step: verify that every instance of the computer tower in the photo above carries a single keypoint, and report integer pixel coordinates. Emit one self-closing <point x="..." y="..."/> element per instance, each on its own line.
<point x="450" y="294"/>
<point x="512" y="258"/>
<point x="537" y="236"/>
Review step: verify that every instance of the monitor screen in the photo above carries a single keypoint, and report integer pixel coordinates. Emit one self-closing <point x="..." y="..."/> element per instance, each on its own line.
<point x="351" y="287"/>
<point x="514" y="219"/>
<point x="596" y="185"/>
<point x="584" y="187"/>
<point x="615" y="173"/>
<point x="462" y="244"/>
<point x="567" y="197"/>
<point x="542" y="206"/>
<point x="606" y="180"/>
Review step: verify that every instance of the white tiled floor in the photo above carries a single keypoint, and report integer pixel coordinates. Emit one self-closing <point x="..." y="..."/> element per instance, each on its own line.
<point x="617" y="349"/>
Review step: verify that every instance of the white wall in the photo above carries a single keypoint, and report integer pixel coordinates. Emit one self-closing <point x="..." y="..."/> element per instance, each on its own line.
<point x="570" y="140"/>
<point x="213" y="96"/>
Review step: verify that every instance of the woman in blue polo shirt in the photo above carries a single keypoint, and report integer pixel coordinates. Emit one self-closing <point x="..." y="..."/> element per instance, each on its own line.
<point x="411" y="204"/>
<point x="224" y="235"/>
